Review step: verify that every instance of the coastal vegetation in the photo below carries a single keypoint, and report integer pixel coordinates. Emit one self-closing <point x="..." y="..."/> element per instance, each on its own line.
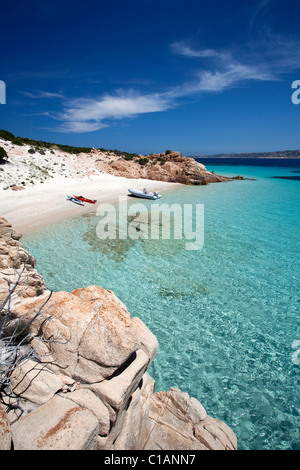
<point x="143" y="161"/>
<point x="6" y="135"/>
<point x="69" y="161"/>
<point x="3" y="155"/>
<point x="38" y="145"/>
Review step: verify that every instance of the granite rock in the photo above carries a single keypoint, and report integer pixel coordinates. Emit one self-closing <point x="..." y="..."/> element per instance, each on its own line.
<point x="179" y="422"/>
<point x="85" y="385"/>
<point x="59" y="424"/>
<point x="5" y="434"/>
<point x="170" y="167"/>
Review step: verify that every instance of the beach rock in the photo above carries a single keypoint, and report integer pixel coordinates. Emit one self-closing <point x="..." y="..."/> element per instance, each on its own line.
<point x="170" y="167"/>
<point x="35" y="382"/>
<point x="132" y="434"/>
<point x="179" y="422"/>
<point x="117" y="390"/>
<point x="4" y="264"/>
<point x="59" y="424"/>
<point x="215" y="434"/>
<point x="238" y="177"/>
<point x="16" y="235"/>
<point x="94" y="332"/>
<point x="5" y="434"/>
<point x="17" y="188"/>
<point x="87" y="399"/>
<point x="17" y="266"/>
<point x="148" y="342"/>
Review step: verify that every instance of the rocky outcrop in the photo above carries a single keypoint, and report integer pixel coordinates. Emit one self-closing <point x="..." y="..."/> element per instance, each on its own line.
<point x="5" y="432"/>
<point x="170" y="167"/>
<point x="179" y="422"/>
<point x="52" y="427"/>
<point x="17" y="264"/>
<point x="86" y="386"/>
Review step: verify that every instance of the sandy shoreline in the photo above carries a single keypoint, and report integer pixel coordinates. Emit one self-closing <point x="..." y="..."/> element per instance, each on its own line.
<point x="47" y="178"/>
<point x="36" y="207"/>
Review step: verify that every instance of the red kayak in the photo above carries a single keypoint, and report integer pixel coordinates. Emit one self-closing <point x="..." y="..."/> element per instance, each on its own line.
<point x="84" y="199"/>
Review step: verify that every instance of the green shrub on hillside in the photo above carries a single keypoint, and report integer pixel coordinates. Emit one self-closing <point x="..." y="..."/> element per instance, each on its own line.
<point x="17" y="141"/>
<point x="41" y="145"/>
<point x="6" y="135"/>
<point x="3" y="155"/>
<point x="143" y="161"/>
<point x="161" y="160"/>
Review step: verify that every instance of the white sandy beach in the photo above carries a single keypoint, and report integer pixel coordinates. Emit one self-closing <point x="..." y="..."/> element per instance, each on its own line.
<point x="49" y="179"/>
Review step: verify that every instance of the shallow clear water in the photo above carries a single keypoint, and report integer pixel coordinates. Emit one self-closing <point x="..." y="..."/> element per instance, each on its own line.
<point x="225" y="317"/>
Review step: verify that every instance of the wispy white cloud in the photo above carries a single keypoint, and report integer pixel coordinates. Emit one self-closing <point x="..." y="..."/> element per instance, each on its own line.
<point x="268" y="57"/>
<point x="222" y="72"/>
<point x="42" y="94"/>
<point x="86" y="115"/>
<point x="214" y="71"/>
<point x="218" y="81"/>
<point x="184" y="49"/>
<point x="124" y="104"/>
<point x="79" y="127"/>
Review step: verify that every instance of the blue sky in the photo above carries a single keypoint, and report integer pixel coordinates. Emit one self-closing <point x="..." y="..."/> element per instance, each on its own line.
<point x="201" y="77"/>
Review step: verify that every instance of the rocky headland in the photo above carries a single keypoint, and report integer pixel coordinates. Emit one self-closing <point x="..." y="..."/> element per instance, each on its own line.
<point x="169" y="166"/>
<point x="74" y="371"/>
<point x="28" y="165"/>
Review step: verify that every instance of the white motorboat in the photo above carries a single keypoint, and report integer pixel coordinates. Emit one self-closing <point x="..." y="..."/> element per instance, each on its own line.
<point x="144" y="194"/>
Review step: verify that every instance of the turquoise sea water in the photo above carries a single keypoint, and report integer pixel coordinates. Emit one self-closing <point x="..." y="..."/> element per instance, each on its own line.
<point x="226" y="317"/>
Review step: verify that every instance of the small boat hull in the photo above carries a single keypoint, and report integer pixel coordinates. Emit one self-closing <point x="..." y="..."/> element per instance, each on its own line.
<point x="76" y="201"/>
<point x="143" y="195"/>
<point x="85" y="199"/>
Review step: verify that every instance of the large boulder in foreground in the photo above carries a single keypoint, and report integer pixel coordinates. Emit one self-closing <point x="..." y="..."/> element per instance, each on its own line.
<point x="57" y="425"/>
<point x="90" y="332"/>
<point x="91" y="381"/>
